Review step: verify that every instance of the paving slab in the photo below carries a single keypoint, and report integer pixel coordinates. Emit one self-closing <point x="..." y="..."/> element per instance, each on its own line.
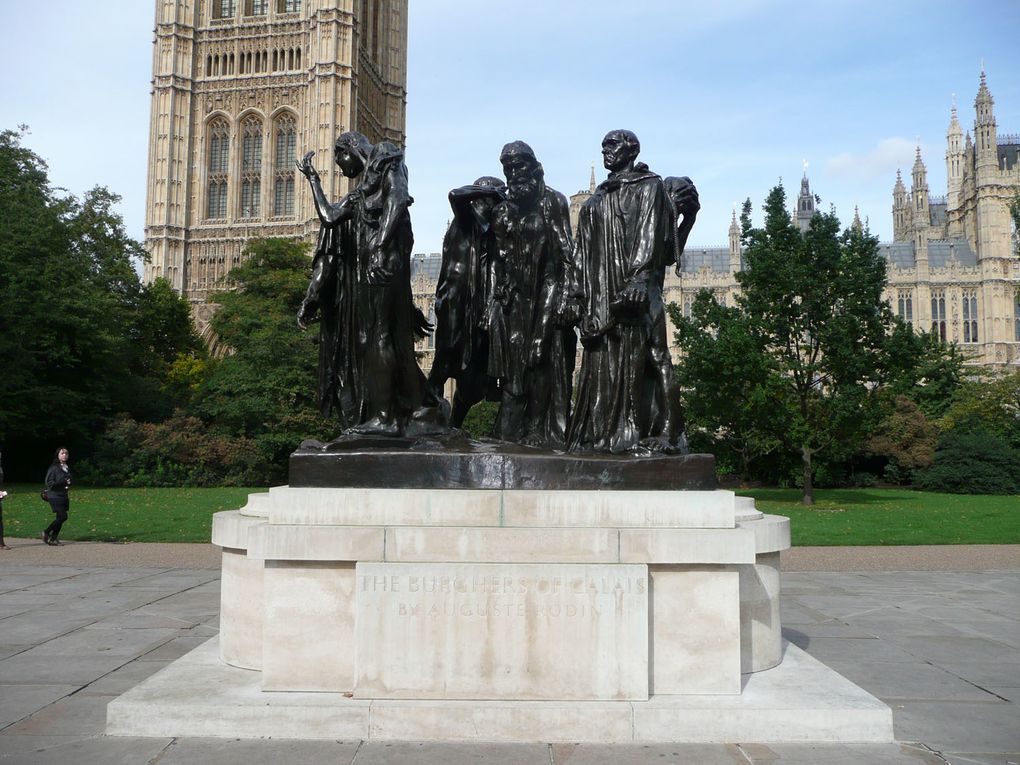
<point x="79" y="750"/>
<point x="850" y="754"/>
<point x="78" y="714"/>
<point x="982" y="758"/>
<point x="218" y="751"/>
<point x="399" y="753"/>
<point x="634" y="754"/>
<point x="19" y="701"/>
<point x="959" y="726"/>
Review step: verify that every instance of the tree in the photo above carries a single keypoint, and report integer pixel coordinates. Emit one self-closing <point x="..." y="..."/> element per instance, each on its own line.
<point x="724" y="378"/>
<point x="808" y="331"/>
<point x="264" y="389"/>
<point x="906" y="438"/>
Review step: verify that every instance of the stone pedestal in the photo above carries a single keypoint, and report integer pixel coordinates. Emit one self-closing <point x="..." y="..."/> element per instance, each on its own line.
<point x="500" y="594"/>
<point x="500" y="612"/>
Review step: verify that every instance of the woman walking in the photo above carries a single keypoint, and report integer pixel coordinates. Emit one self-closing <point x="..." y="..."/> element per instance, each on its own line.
<point x="58" y="480"/>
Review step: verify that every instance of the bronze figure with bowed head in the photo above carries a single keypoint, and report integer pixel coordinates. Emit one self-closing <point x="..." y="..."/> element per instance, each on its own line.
<point x="531" y="340"/>
<point x="361" y="288"/>
<point x="464" y="297"/>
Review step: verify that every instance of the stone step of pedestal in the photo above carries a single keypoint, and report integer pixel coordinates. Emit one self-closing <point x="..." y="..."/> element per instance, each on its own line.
<point x="801" y="700"/>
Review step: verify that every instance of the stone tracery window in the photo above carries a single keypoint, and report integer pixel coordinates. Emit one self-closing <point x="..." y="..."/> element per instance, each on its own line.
<point x="905" y="306"/>
<point x="938" y="313"/>
<point x="257" y="8"/>
<point x="218" y="168"/>
<point x="224" y="9"/>
<point x="285" y="154"/>
<point x="288" y="6"/>
<point x="970" y="325"/>
<point x="251" y="167"/>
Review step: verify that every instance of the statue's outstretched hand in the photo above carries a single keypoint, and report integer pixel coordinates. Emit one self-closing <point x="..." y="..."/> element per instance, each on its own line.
<point x="306" y="315"/>
<point x="305" y="166"/>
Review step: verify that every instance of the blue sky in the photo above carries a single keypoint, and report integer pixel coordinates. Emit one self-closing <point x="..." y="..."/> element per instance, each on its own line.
<point x="736" y="94"/>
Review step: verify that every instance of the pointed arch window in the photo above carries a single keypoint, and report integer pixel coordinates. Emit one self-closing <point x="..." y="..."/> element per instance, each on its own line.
<point x="284" y="156"/>
<point x="251" y="167"/>
<point x="1016" y="319"/>
<point x="905" y="306"/>
<point x="938" y="314"/>
<point x="970" y="324"/>
<point x="218" y="168"/>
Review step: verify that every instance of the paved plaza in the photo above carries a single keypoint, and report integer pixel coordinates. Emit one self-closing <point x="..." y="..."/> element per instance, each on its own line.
<point x="939" y="643"/>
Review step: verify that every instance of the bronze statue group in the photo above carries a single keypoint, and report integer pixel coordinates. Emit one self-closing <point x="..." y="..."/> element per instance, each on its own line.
<point x="516" y="292"/>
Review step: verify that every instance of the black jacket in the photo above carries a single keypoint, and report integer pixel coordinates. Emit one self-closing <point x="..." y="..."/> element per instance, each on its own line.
<point x="57" y="480"/>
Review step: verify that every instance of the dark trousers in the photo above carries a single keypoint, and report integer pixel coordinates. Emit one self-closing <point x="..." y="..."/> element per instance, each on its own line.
<point x="59" y="503"/>
<point x="1" y="521"/>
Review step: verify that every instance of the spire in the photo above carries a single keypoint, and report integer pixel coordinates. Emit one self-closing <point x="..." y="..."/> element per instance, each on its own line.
<point x="592" y="186"/>
<point x="857" y="225"/>
<point x="734" y="226"/>
<point x="984" y="124"/>
<point x="805" y="210"/>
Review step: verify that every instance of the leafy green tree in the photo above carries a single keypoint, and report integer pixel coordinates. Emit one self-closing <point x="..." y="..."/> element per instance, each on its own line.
<point x="811" y="330"/>
<point x="80" y="337"/>
<point x="725" y="381"/>
<point x="991" y="404"/>
<point x="264" y="388"/>
<point x="906" y="438"/>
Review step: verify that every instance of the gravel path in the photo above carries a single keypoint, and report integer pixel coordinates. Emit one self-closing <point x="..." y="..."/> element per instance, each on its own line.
<point x="905" y="558"/>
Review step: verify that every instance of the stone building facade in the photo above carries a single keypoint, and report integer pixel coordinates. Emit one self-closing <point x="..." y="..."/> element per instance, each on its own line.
<point x="241" y="89"/>
<point x="953" y="265"/>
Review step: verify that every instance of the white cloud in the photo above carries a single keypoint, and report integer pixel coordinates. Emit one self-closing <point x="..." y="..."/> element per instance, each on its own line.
<point x="881" y="162"/>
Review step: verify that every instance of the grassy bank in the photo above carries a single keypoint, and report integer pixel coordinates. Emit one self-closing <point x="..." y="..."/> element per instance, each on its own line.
<point x="893" y="517"/>
<point x="124" y="515"/>
<point x="839" y="517"/>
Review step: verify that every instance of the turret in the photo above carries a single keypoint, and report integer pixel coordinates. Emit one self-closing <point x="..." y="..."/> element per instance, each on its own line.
<point x="919" y="192"/>
<point x="984" y="127"/>
<point x="735" y="264"/>
<point x="900" y="210"/>
<point x="805" y="203"/>
<point x="954" y="160"/>
<point x="857" y="225"/>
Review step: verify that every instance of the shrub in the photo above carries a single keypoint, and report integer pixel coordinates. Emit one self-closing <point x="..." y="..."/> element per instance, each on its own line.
<point x="972" y="460"/>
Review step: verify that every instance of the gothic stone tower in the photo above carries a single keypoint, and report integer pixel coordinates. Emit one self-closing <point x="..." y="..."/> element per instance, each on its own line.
<point x="242" y="88"/>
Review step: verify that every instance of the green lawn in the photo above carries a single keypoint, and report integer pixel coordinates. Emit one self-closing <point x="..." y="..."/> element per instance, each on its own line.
<point x="124" y="515"/>
<point x="839" y="517"/>
<point x="893" y="517"/>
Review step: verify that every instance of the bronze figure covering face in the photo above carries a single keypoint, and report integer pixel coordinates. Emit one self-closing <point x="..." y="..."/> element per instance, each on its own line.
<point x="368" y="373"/>
<point x="464" y="297"/>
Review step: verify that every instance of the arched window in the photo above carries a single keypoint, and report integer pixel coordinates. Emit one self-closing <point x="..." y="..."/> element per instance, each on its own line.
<point x="288" y="6"/>
<point x="905" y="306"/>
<point x="251" y="167"/>
<point x="276" y="61"/>
<point x="1016" y="319"/>
<point x="938" y="314"/>
<point x="284" y="156"/>
<point x="219" y="161"/>
<point x="970" y="325"/>
<point x="297" y="58"/>
<point x="257" y="7"/>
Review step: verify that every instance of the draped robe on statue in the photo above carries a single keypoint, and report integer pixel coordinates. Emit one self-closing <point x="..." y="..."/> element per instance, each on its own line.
<point x="625" y="238"/>
<point x="368" y="372"/>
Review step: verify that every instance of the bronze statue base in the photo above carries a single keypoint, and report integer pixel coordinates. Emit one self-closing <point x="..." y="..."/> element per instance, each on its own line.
<point x="458" y="462"/>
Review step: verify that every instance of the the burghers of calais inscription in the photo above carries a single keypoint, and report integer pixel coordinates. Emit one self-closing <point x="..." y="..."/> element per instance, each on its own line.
<point x="532" y="343"/>
<point x="498" y="596"/>
<point x="626" y="238"/>
<point x="464" y="297"/>
<point x="361" y="287"/>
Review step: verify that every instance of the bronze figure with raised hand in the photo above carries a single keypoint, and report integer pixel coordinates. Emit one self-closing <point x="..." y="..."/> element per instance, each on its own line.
<point x="361" y="289"/>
